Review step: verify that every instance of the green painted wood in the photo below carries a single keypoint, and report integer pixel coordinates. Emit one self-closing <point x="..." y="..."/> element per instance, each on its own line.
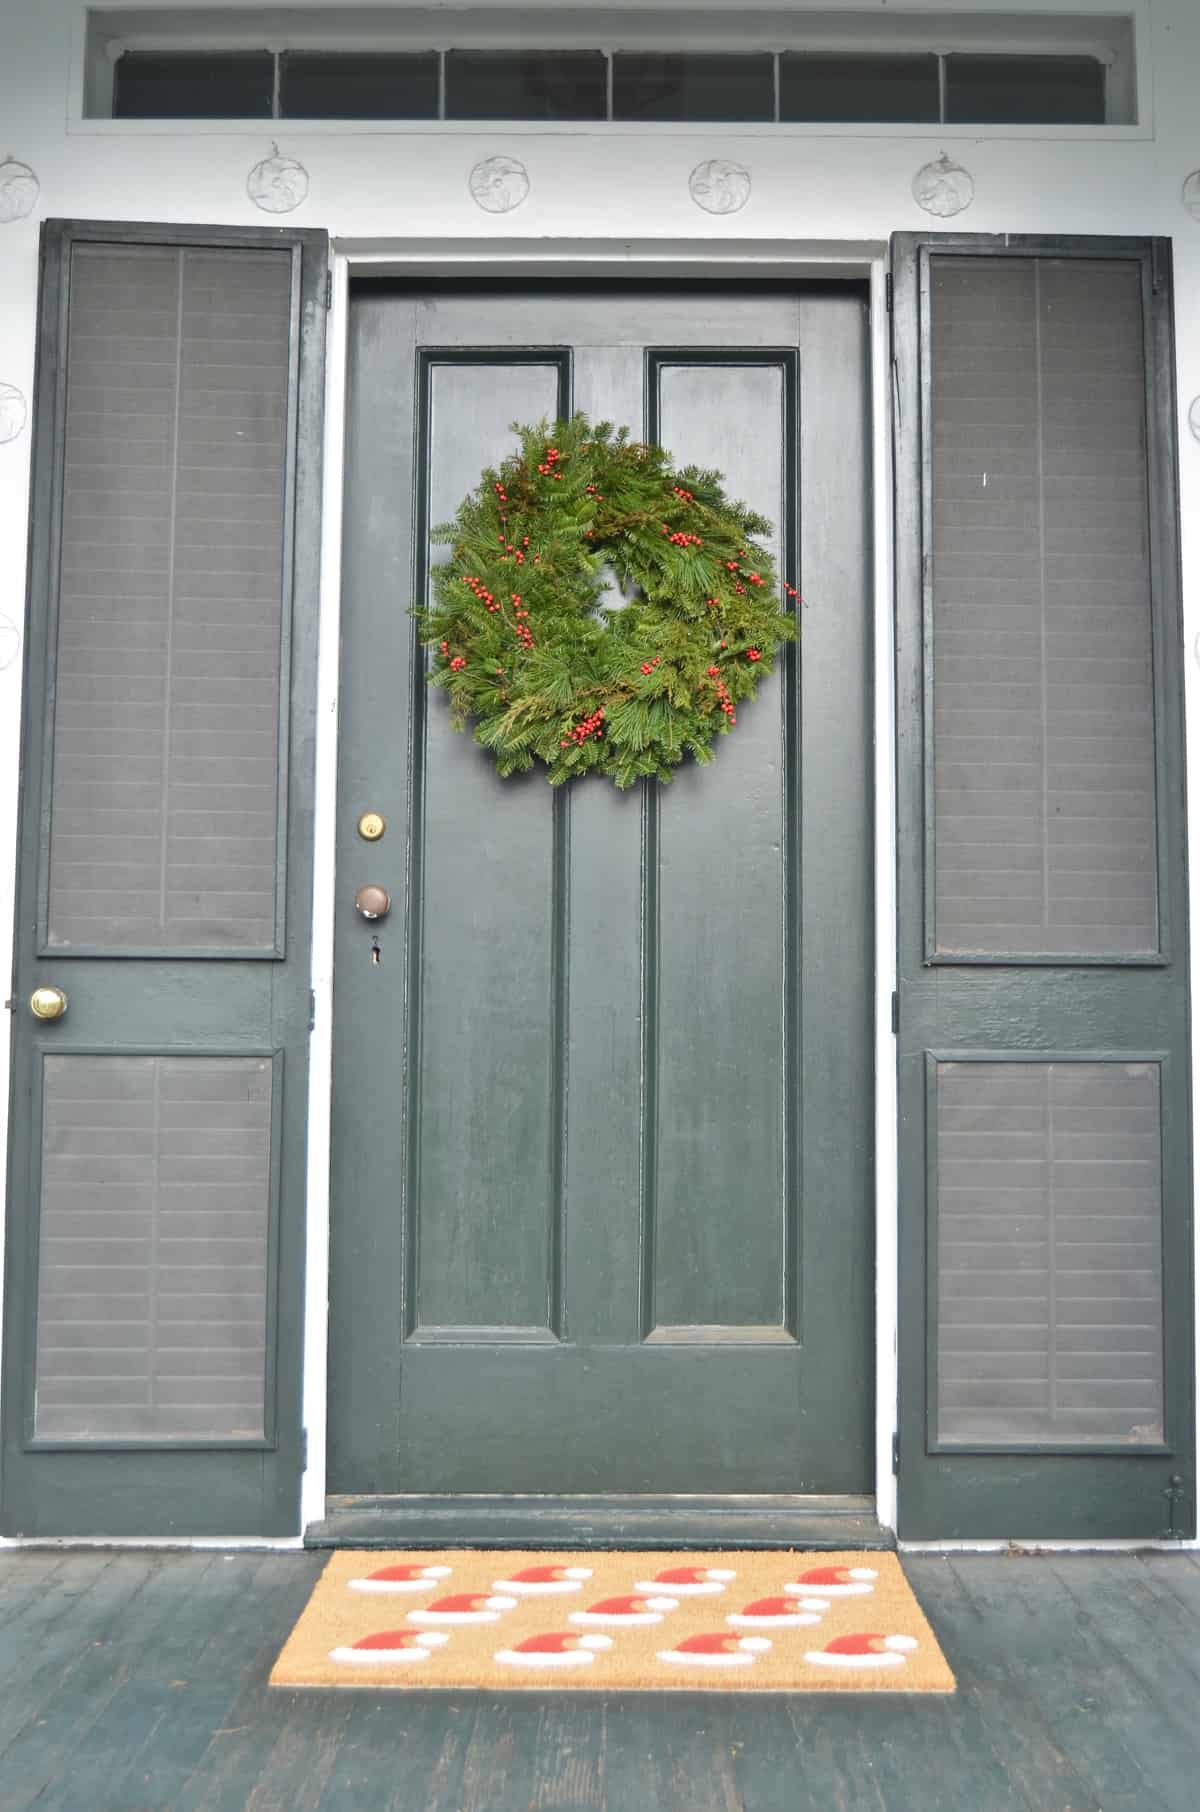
<point x="959" y="1011"/>
<point x="602" y="1108"/>
<point x="1040" y="1761"/>
<point x="1087" y="1701"/>
<point x="167" y="1004"/>
<point x="104" y="1746"/>
<point x="22" y="1581"/>
<point x="1065" y="1704"/>
<point x="231" y="1655"/>
<point x="579" y="1522"/>
<point x="36" y="1610"/>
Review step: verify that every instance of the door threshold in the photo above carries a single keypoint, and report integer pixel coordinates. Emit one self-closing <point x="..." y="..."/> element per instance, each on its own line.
<point x="650" y="1522"/>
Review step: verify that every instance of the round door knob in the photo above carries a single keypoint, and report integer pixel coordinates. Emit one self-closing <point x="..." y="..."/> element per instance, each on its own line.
<point x="47" y="1003"/>
<point x="373" y="901"/>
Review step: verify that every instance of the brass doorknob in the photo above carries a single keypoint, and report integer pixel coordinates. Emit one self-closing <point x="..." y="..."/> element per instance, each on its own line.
<point x="47" y="1003"/>
<point x="373" y="901"/>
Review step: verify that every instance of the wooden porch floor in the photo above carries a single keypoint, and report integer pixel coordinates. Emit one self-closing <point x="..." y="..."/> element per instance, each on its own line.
<point x="135" y="1682"/>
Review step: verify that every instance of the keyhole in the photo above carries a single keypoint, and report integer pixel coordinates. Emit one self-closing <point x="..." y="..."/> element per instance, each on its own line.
<point x="376" y="952"/>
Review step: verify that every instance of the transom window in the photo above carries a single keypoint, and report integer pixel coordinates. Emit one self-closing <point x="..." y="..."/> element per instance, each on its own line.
<point x="785" y="68"/>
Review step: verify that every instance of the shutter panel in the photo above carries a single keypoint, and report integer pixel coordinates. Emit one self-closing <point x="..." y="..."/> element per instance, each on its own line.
<point x="1048" y="1185"/>
<point x="155" y="1254"/>
<point x="1043" y="710"/>
<point x="165" y="798"/>
<point x="1046" y="1314"/>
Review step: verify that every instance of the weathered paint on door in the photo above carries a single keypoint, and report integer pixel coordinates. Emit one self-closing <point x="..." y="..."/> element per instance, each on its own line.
<point x="603" y="1101"/>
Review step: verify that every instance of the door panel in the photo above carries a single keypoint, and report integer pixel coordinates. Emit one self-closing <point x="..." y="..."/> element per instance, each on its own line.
<point x="485" y="1093"/>
<point x="722" y="1128"/>
<point x="602" y="1214"/>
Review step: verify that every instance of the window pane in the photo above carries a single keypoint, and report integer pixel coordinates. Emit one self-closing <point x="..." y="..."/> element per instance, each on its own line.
<point x="1049" y="1253"/>
<point x="315" y="86"/>
<point x="693" y="87"/>
<point x="1043" y="700"/>
<point x="1059" y="91"/>
<point x="526" y="85"/>
<point x="167" y="677"/>
<point x="196" y="85"/>
<point x="857" y="88"/>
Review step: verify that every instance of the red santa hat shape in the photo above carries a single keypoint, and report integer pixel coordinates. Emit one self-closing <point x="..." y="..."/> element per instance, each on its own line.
<point x="464" y="1607"/>
<point x="716" y="1648"/>
<point x="400" y="1579"/>
<point x="779" y="1613"/>
<point x="863" y="1650"/>
<point x="387" y="1646"/>
<point x="626" y="1612"/>
<point x="694" y="1582"/>
<point x="833" y="1582"/>
<point x="532" y="1582"/>
<point x="558" y="1648"/>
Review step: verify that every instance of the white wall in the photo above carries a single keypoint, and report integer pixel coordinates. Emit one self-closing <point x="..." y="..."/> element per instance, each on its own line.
<point x="407" y="186"/>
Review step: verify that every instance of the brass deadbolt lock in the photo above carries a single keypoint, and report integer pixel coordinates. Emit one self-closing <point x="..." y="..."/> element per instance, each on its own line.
<point x="373" y="901"/>
<point x="47" y="1003"/>
<point x="371" y="827"/>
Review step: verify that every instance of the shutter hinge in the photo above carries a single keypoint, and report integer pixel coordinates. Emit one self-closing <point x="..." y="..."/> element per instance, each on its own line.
<point x="304" y="1450"/>
<point x="887" y="292"/>
<point x="329" y="289"/>
<point x="1175" y="1493"/>
<point x="312" y="1008"/>
<point x="895" y="1011"/>
<point x="896" y="1454"/>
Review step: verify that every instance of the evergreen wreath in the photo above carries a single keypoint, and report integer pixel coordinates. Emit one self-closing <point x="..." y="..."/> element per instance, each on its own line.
<point x="528" y="653"/>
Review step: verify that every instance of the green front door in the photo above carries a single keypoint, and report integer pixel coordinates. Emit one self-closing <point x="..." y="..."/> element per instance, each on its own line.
<point x="602" y="1208"/>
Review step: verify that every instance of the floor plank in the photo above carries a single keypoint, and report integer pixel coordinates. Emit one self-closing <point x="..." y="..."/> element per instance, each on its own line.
<point x="1148" y="1700"/>
<point x="137" y="1683"/>
<point x="1025" y="1610"/>
<point x="149" y="1677"/>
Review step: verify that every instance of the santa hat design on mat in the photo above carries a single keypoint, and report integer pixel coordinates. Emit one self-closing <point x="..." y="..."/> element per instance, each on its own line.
<point x="779" y="1613"/>
<point x="400" y="1579"/>
<point x="865" y="1650"/>
<point x="387" y="1646"/>
<point x="716" y="1648"/>
<point x="561" y="1648"/>
<point x="693" y="1581"/>
<point x="531" y="1582"/>
<point x="626" y="1612"/>
<point x="833" y="1582"/>
<point x="463" y="1607"/>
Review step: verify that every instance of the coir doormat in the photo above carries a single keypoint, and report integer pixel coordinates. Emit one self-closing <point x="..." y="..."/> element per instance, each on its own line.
<point x="614" y="1622"/>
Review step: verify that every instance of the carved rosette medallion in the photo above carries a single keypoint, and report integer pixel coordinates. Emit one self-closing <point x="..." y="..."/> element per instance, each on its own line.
<point x="943" y="188"/>
<point x="277" y="184"/>
<point x="1191" y="194"/>
<point x="1194" y="418"/>
<point x="18" y="190"/>
<point x="719" y="187"/>
<point x="12" y="411"/>
<point x="499" y="184"/>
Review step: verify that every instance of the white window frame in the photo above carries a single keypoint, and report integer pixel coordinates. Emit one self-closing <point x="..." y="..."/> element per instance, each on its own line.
<point x="1025" y="27"/>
